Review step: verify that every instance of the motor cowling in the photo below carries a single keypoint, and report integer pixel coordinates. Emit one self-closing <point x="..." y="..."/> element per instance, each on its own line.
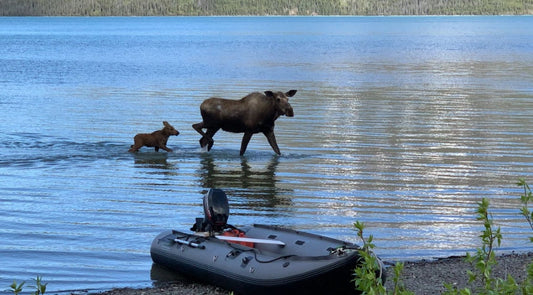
<point x="216" y="210"/>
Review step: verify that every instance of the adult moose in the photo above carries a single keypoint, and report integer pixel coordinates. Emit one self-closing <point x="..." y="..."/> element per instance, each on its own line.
<point x="252" y="114"/>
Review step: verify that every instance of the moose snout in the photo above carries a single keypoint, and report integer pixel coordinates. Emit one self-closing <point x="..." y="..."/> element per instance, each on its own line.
<point x="289" y="112"/>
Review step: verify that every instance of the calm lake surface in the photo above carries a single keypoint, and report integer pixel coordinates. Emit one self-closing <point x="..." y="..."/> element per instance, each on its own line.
<point x="403" y="123"/>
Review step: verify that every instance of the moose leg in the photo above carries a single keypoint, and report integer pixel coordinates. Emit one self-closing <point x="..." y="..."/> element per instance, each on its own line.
<point x="137" y="144"/>
<point x="208" y="138"/>
<point x="134" y="148"/>
<point x="272" y="140"/>
<point x="245" y="140"/>
<point x="198" y="127"/>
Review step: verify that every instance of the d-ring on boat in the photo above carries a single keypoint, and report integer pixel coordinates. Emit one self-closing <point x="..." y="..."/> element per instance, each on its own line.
<point x="259" y="259"/>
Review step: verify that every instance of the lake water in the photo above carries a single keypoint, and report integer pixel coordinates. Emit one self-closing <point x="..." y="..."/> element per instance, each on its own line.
<point x="403" y="123"/>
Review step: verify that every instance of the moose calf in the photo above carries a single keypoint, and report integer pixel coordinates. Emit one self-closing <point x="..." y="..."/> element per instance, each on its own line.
<point x="157" y="139"/>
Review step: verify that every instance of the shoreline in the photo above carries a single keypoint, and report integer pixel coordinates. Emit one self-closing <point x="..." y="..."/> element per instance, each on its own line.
<point x="420" y="277"/>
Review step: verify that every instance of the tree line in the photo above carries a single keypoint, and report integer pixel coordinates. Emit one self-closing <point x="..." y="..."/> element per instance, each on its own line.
<point x="261" y="7"/>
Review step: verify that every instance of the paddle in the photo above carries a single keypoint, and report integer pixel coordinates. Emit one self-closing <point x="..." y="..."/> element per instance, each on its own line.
<point x="250" y="240"/>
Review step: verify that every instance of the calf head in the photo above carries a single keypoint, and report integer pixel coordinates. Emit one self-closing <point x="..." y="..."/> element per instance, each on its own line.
<point x="169" y="129"/>
<point x="282" y="101"/>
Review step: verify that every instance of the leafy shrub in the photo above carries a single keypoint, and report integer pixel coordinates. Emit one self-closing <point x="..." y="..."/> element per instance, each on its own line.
<point x="483" y="260"/>
<point x="368" y="274"/>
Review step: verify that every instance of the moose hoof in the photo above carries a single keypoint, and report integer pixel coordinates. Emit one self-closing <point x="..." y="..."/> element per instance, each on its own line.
<point x="204" y="141"/>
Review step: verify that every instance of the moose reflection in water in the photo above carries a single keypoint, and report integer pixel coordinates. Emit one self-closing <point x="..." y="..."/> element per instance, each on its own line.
<point x="258" y="185"/>
<point x="154" y="163"/>
<point x="252" y="114"/>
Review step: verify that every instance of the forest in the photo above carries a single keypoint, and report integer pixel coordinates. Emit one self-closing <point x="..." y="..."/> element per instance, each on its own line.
<point x="262" y="7"/>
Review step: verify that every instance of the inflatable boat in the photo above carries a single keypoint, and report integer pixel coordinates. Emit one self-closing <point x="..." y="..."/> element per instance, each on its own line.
<point x="258" y="259"/>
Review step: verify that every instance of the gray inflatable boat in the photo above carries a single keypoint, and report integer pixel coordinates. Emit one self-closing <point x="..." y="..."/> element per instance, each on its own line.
<point x="258" y="259"/>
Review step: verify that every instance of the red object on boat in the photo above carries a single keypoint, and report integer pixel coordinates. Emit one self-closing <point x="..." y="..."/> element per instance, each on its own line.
<point x="237" y="233"/>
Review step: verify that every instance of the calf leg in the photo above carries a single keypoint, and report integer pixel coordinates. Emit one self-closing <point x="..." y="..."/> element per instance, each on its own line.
<point x="163" y="145"/>
<point x="137" y="144"/>
<point x="245" y="140"/>
<point x="134" y="148"/>
<point x="165" y="148"/>
<point x="272" y="140"/>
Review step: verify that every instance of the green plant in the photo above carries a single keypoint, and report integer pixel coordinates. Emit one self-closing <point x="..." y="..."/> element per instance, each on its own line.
<point x="368" y="273"/>
<point x="366" y="280"/>
<point x="399" y="288"/>
<point x="525" y="199"/>
<point x="16" y="288"/>
<point x="485" y="259"/>
<point x="39" y="287"/>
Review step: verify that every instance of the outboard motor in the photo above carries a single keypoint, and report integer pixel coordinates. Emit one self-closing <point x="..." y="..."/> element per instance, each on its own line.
<point x="216" y="209"/>
<point x="216" y="212"/>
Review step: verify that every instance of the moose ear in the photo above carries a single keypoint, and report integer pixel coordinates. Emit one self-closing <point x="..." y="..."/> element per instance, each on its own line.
<point x="165" y="123"/>
<point x="269" y="93"/>
<point x="291" y="93"/>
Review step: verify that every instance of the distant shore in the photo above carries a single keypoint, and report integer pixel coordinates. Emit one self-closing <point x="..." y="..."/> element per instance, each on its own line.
<point x="421" y="277"/>
<point x="261" y="7"/>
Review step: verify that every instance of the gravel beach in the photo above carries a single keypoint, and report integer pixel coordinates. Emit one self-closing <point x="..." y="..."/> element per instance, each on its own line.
<point x="420" y="277"/>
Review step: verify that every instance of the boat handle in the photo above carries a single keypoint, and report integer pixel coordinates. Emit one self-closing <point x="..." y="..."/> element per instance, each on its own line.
<point x="189" y="243"/>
